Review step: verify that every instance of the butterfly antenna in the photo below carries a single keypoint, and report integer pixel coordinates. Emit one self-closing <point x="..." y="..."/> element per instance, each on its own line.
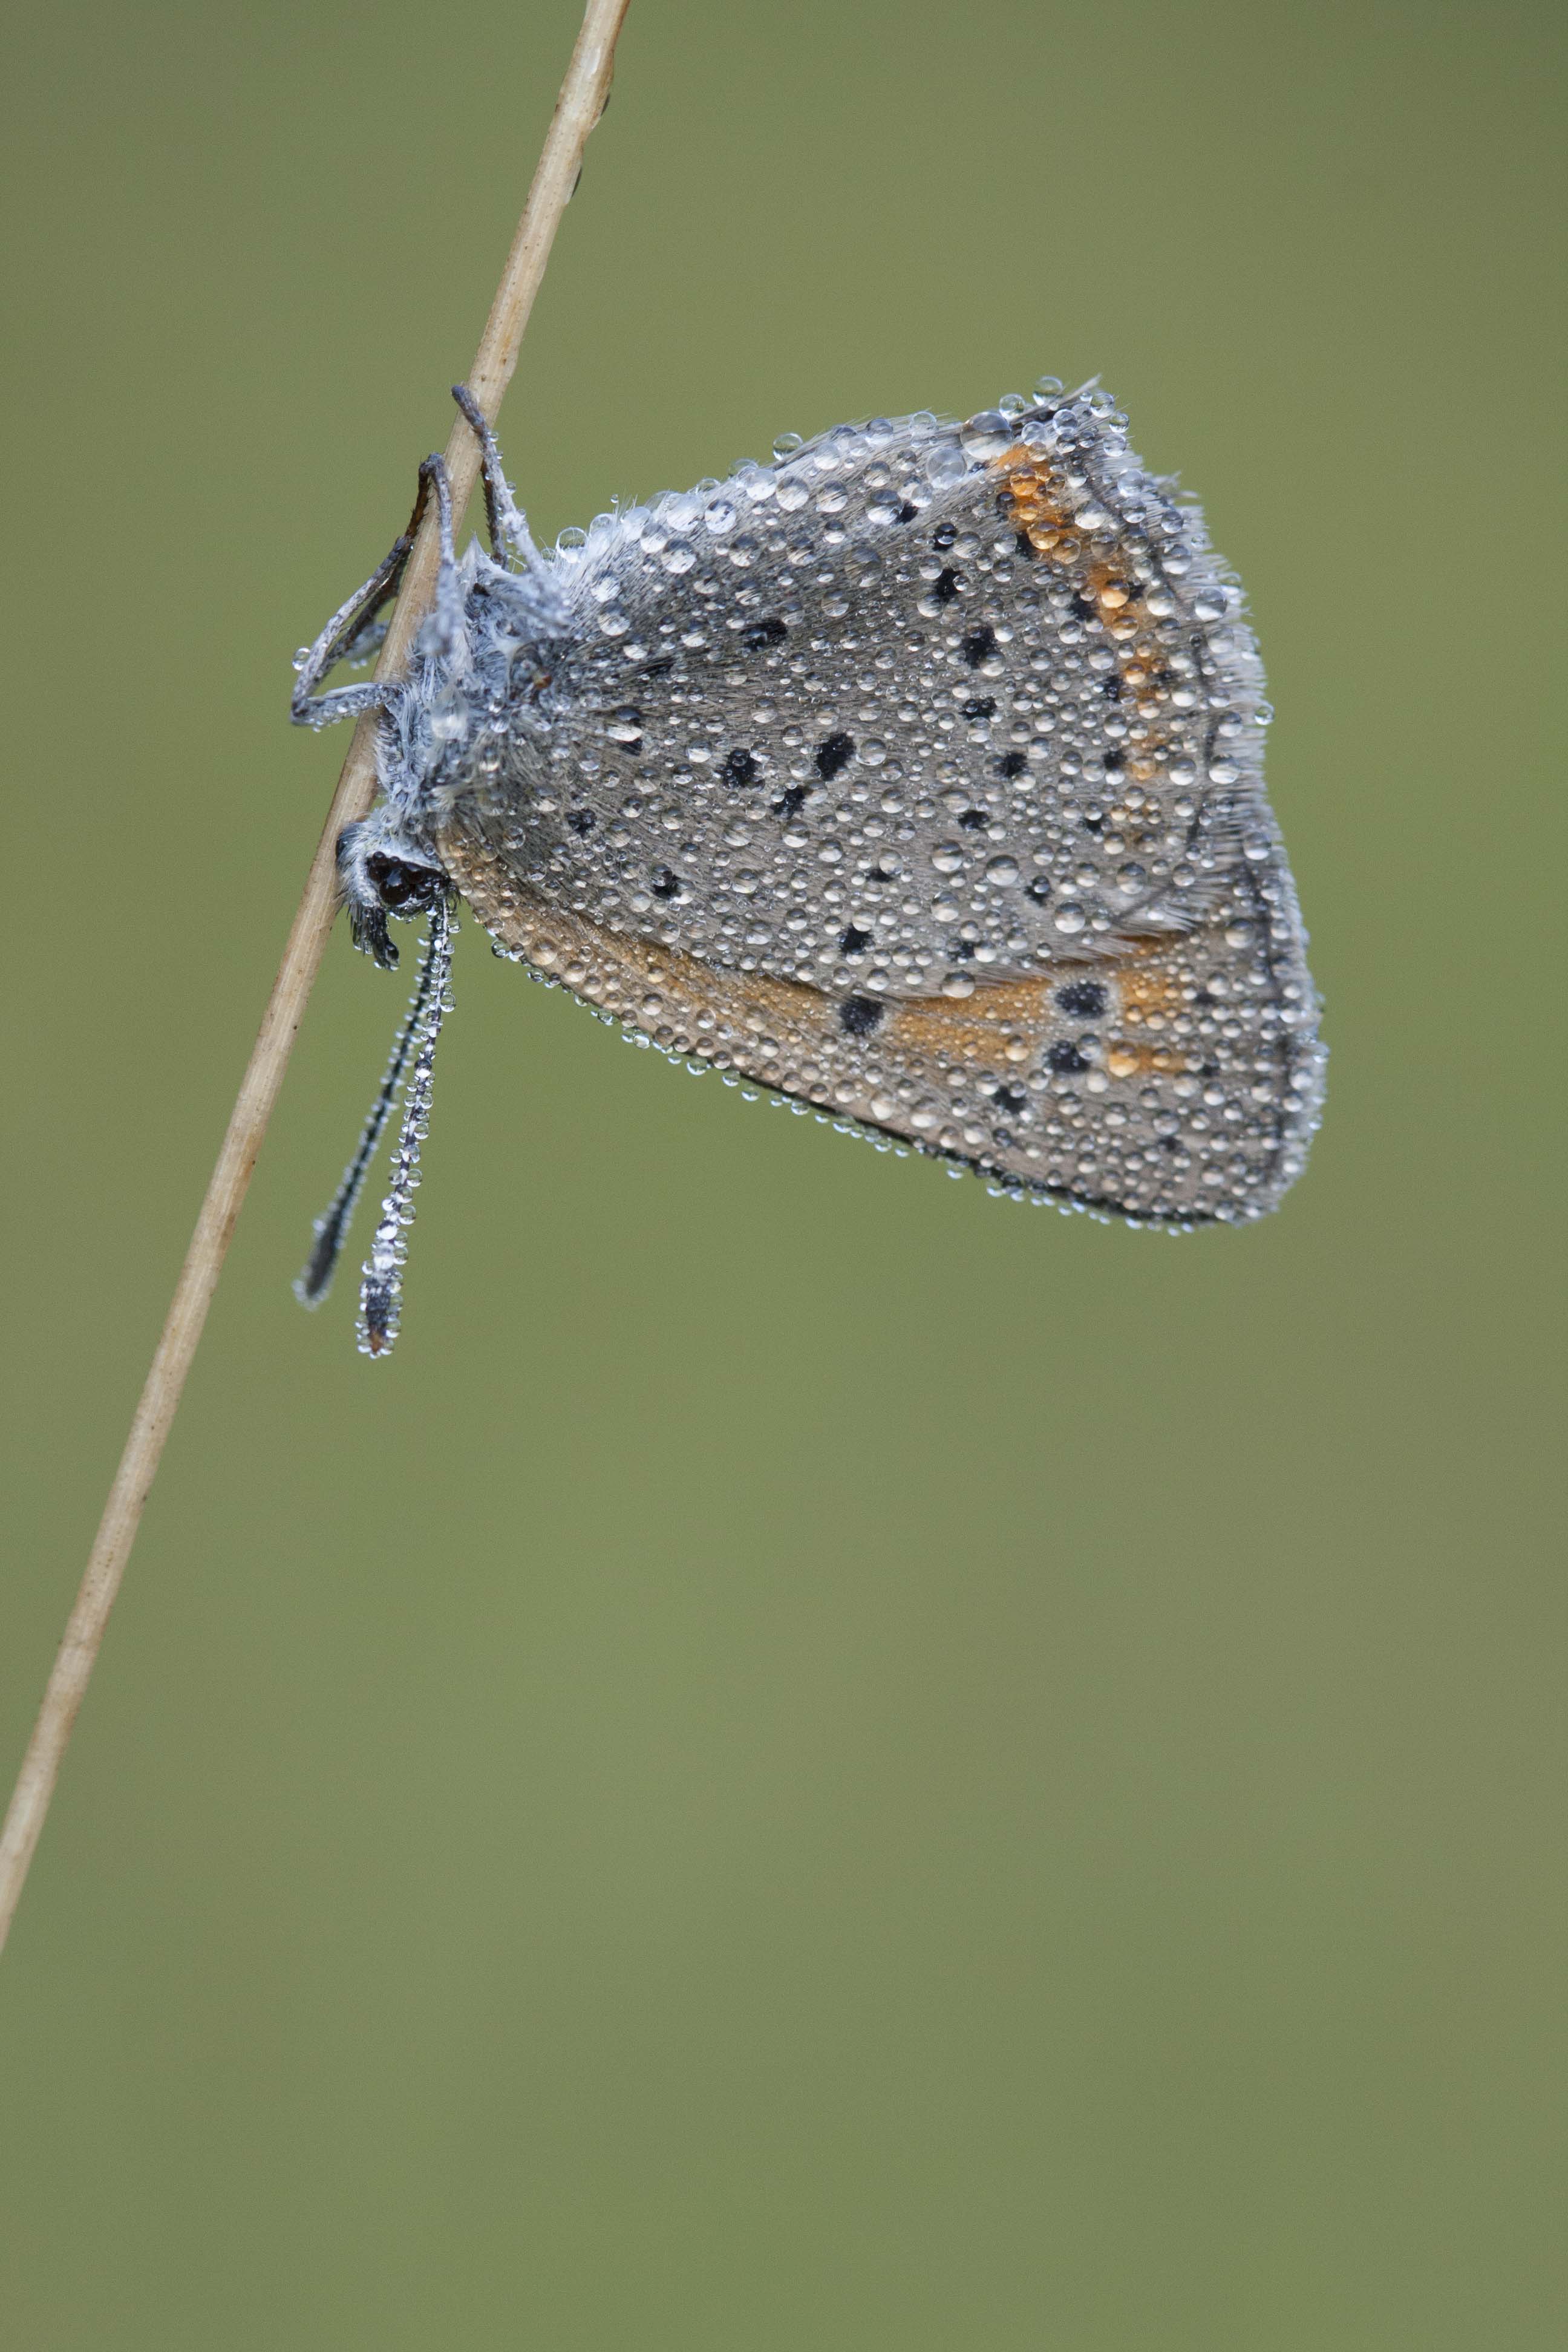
<point x="330" y="1229"/>
<point x="380" y="1293"/>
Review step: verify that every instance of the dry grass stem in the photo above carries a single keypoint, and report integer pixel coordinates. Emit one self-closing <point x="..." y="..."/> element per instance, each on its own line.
<point x="582" y="101"/>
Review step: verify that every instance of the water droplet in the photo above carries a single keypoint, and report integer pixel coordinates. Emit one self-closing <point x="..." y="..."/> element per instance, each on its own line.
<point x="988" y="436"/>
<point x="945" y="464"/>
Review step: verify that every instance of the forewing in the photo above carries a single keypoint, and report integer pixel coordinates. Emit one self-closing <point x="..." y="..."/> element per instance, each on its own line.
<point x="926" y="762"/>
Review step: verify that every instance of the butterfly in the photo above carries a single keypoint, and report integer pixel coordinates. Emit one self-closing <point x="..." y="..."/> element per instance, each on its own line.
<point x="915" y="777"/>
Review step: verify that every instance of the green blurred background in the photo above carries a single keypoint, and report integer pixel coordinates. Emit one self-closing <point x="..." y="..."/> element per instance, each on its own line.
<point x="818" y="1762"/>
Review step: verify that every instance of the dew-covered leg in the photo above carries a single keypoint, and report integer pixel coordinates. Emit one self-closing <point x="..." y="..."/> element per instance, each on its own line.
<point x="353" y="634"/>
<point x="443" y="631"/>
<point x="509" y="534"/>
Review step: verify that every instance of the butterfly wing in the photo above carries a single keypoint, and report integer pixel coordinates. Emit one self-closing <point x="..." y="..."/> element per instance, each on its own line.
<point x="919" y="776"/>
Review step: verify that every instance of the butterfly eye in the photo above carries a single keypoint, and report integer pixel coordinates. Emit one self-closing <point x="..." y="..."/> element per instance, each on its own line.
<point x="402" y="887"/>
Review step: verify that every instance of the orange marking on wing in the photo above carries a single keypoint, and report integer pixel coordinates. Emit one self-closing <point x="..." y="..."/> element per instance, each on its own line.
<point x="1000" y="1013"/>
<point x="1152" y="990"/>
<point x="786" y="1032"/>
<point x="1038" y="507"/>
<point x="1148" y="993"/>
<point x="1125" y="1060"/>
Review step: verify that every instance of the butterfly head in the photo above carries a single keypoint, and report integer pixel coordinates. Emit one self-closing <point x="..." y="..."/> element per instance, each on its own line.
<point x="382" y="874"/>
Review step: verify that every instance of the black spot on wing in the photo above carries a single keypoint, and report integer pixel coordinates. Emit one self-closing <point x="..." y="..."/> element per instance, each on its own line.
<point x="853" y="942"/>
<point x="858" y="1015"/>
<point x="1086" y="998"/>
<point x="834" y="753"/>
<point x="978" y="646"/>
<point x="740" y="766"/>
<point x="1012" y="764"/>
<point x="945" y="587"/>
<point x="770" y="632"/>
<point x="1066" y="1060"/>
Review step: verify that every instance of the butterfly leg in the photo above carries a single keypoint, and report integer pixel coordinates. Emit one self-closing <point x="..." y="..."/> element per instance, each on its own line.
<point x="354" y="631"/>
<point x="509" y="534"/>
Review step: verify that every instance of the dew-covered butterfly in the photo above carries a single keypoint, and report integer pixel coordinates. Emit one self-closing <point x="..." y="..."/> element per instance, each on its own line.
<point x="916" y="777"/>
